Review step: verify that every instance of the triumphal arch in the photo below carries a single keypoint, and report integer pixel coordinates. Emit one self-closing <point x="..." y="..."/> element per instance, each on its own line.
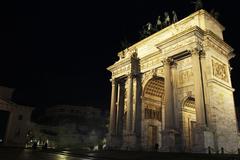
<point x="172" y="91"/>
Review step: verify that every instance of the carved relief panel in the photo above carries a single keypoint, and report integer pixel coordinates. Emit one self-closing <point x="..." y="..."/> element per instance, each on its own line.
<point x="185" y="77"/>
<point x="219" y="70"/>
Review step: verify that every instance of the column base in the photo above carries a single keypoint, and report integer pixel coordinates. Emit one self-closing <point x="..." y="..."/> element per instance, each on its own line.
<point x="114" y="142"/>
<point x="130" y="142"/>
<point x="203" y="140"/>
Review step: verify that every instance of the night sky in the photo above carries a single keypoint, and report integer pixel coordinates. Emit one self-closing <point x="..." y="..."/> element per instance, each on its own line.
<point x="57" y="52"/>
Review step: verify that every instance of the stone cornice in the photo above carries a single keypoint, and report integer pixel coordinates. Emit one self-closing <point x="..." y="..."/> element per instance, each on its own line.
<point x="149" y="56"/>
<point x="212" y="40"/>
<point x="118" y="64"/>
<point x="193" y="31"/>
<point x="214" y="81"/>
<point x="181" y="42"/>
<point x="212" y="18"/>
<point x="125" y="66"/>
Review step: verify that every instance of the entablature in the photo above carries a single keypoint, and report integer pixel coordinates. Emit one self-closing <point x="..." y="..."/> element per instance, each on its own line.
<point x="124" y="67"/>
<point x="213" y="41"/>
<point x="181" y="42"/>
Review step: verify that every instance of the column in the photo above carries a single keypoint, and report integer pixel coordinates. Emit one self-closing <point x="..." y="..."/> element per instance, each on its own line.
<point x="198" y="89"/>
<point x="120" y="108"/>
<point x="174" y="94"/>
<point x="129" y="103"/>
<point x="138" y="109"/>
<point x="169" y="110"/>
<point x="112" y="126"/>
<point x="168" y="143"/>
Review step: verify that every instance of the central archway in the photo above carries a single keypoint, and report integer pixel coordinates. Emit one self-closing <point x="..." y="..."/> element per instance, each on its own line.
<point x="153" y="102"/>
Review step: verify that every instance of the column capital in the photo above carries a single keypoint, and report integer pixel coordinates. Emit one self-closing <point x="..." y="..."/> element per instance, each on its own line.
<point x="198" y="50"/>
<point x="130" y="75"/>
<point x="169" y="61"/>
<point x="113" y="80"/>
<point x="174" y="64"/>
<point x="139" y="75"/>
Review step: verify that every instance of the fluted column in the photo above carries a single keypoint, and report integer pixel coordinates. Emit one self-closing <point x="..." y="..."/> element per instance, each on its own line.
<point x="198" y="89"/>
<point x="129" y="103"/>
<point x="112" y="126"/>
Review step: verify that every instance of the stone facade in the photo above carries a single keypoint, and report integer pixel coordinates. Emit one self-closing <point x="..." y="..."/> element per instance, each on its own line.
<point x="14" y="120"/>
<point x="173" y="91"/>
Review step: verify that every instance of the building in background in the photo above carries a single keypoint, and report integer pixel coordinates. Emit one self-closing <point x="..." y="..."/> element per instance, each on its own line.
<point x="14" y="120"/>
<point x="172" y="91"/>
<point x="71" y="127"/>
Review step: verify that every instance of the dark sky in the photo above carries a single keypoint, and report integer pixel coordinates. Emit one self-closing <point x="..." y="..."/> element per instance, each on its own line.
<point x="57" y="52"/>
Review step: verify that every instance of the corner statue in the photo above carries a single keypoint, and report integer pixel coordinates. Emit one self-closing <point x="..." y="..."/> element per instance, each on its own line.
<point x="198" y="5"/>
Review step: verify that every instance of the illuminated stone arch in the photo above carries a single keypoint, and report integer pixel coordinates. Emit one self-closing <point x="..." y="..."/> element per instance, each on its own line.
<point x="152" y="101"/>
<point x="154" y="89"/>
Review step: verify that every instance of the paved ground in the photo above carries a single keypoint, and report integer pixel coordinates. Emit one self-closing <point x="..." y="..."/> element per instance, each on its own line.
<point x="28" y="154"/>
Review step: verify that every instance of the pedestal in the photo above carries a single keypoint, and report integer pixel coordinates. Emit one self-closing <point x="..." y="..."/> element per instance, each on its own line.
<point x="114" y="142"/>
<point x="204" y="139"/>
<point x="130" y="142"/>
<point x="169" y="141"/>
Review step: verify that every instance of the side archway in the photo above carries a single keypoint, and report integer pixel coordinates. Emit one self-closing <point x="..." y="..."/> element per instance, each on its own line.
<point x="188" y="123"/>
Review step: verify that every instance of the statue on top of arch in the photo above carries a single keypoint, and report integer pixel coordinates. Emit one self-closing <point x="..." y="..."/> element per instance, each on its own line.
<point x="198" y="5"/>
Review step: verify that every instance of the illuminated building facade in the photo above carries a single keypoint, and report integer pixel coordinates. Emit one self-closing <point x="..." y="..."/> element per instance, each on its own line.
<point x="172" y="91"/>
<point x="14" y="120"/>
